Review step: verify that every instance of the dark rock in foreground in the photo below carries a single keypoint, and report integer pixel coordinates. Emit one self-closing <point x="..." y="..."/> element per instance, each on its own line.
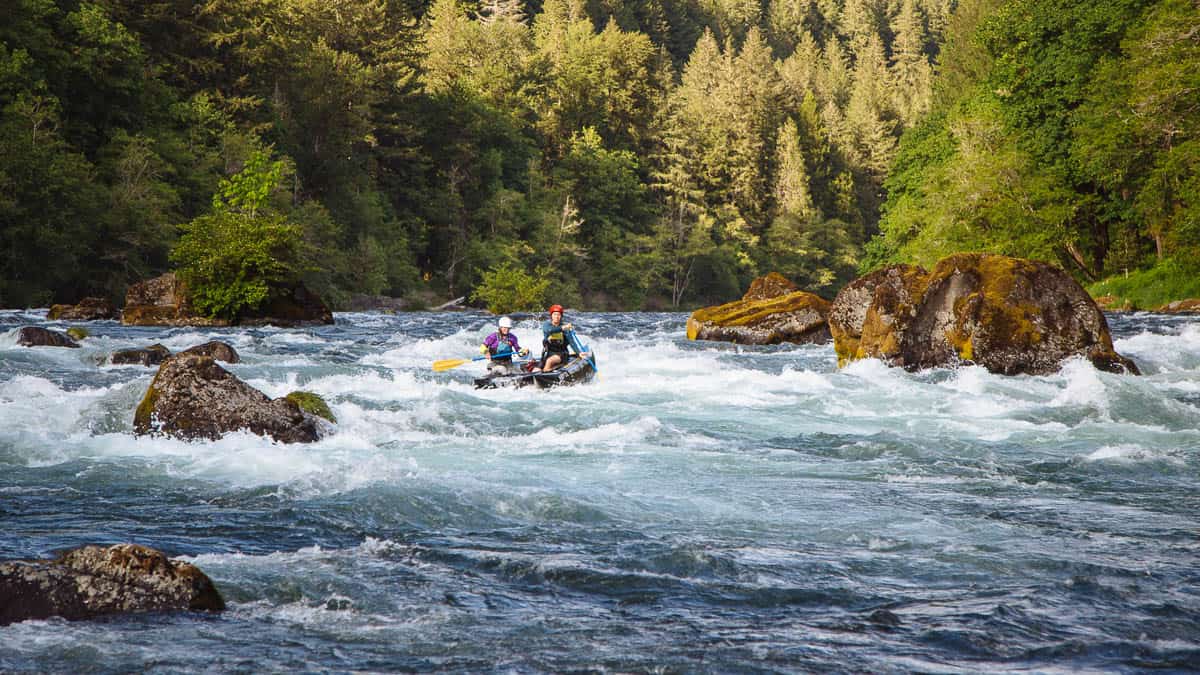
<point x="192" y="397"/>
<point x="1009" y="315"/>
<point x="146" y="356"/>
<point x="771" y="312"/>
<point x="34" y="336"/>
<point x="220" y="351"/>
<point x="95" y="580"/>
<point x="88" y="309"/>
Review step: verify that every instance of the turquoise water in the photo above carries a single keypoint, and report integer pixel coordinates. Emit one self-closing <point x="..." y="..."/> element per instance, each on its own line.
<point x="698" y="507"/>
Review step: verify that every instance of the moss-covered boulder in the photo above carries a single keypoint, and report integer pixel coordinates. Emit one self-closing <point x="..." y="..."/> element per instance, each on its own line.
<point x="143" y="356"/>
<point x="221" y="351"/>
<point x="870" y="314"/>
<point x="1009" y="315"/>
<point x="88" y="309"/>
<point x="77" y="333"/>
<point x="36" y="336"/>
<point x="192" y="397"/>
<point x="312" y="404"/>
<point x="94" y="581"/>
<point x="768" y="314"/>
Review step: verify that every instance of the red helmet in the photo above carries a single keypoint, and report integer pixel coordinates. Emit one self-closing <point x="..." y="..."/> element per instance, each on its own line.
<point x="555" y="308"/>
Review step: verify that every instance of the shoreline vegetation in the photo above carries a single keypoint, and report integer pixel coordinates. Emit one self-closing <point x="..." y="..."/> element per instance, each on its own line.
<point x="621" y="155"/>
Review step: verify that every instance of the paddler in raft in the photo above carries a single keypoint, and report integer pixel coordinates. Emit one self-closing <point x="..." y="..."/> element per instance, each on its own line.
<point x="500" y="346"/>
<point x="555" y="340"/>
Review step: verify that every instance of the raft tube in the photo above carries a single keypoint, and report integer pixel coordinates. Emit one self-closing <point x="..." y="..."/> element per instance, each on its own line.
<point x="576" y="371"/>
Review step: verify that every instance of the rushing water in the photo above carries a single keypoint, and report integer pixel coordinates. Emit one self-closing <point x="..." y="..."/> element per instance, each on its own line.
<point x="698" y="507"/>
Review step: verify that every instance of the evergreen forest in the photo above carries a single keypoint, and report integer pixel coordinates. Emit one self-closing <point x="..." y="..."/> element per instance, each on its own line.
<point x="605" y="154"/>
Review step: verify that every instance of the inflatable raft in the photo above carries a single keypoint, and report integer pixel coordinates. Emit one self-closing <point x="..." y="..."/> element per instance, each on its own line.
<point x="576" y="371"/>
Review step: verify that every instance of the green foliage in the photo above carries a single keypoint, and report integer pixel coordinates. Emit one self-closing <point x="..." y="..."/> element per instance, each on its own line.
<point x="507" y="288"/>
<point x="233" y="257"/>
<point x="1169" y="280"/>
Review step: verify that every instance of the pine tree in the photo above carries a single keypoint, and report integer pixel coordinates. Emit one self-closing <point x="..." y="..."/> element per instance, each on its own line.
<point x="912" y="76"/>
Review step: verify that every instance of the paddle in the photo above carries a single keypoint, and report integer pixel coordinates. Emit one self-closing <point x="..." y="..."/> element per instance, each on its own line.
<point x="447" y="364"/>
<point x="580" y="349"/>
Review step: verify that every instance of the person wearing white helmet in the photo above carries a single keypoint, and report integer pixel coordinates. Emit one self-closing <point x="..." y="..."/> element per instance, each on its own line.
<point x="500" y="346"/>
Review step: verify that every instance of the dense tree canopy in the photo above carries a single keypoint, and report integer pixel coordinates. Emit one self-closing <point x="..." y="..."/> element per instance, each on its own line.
<point x="611" y="153"/>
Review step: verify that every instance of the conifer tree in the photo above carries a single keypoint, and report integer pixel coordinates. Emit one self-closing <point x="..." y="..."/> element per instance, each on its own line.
<point x="912" y="76"/>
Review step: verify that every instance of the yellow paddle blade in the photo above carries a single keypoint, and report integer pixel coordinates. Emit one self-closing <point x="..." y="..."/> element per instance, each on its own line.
<point x="447" y="364"/>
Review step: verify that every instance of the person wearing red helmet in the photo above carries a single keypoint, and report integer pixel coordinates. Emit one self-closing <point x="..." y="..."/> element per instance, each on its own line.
<point x="554" y="339"/>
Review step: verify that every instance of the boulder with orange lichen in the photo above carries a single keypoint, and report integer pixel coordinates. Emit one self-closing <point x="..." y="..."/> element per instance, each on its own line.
<point x="1009" y="315"/>
<point x="772" y="311"/>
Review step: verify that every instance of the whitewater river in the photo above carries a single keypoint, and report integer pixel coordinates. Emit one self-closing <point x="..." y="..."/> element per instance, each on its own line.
<point x="698" y="507"/>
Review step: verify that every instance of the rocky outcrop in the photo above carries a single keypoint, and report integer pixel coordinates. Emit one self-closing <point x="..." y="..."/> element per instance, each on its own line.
<point x="871" y="314"/>
<point x="145" y="356"/>
<point x="34" y="336"/>
<point x="94" y="581"/>
<point x="1009" y="315"/>
<point x="164" y="301"/>
<point x="220" y="351"/>
<point x="771" y="312"/>
<point x="88" y="309"/>
<point x="1191" y="306"/>
<point x="192" y="397"/>
<point x="360" y="302"/>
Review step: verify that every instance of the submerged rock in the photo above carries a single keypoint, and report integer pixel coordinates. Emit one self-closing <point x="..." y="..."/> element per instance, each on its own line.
<point x="146" y="356"/>
<point x="96" y="580"/>
<point x="771" y="312"/>
<point x="1009" y="315"/>
<point x="192" y="397"/>
<point x="220" y="351"/>
<point x="88" y="309"/>
<point x="34" y="336"/>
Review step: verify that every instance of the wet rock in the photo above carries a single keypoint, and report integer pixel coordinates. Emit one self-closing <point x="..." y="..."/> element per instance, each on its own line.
<point x="768" y="314"/>
<point x="34" y="336"/>
<point x="77" y="333"/>
<point x="192" y="397"/>
<point x="162" y="301"/>
<point x="95" y="580"/>
<point x="146" y="356"/>
<point x="88" y="309"/>
<point x="870" y="314"/>
<point x="1190" y="306"/>
<point x="220" y="351"/>
<point x="883" y="617"/>
<point x="312" y="404"/>
<point x="1009" y="315"/>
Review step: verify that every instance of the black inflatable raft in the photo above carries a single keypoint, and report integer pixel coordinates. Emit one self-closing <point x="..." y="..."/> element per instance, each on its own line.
<point x="576" y="371"/>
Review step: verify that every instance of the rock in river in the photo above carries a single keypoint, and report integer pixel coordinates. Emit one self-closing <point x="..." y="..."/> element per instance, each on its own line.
<point x="35" y="336"/>
<point x="1009" y="315"/>
<point x="146" y="356"/>
<point x="97" y="580"/>
<point x="88" y="309"/>
<point x="771" y="312"/>
<point x="192" y="397"/>
<point x="220" y="351"/>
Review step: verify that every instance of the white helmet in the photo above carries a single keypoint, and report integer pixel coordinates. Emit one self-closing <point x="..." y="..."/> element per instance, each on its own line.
<point x="505" y="322"/>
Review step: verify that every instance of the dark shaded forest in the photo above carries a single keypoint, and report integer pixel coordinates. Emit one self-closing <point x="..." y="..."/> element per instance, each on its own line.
<point x="608" y="154"/>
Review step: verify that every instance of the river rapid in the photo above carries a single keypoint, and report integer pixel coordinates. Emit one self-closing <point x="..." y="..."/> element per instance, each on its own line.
<point x="698" y="507"/>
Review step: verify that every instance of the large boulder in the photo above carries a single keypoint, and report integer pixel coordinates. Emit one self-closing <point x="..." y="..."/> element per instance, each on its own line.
<point x="870" y="314"/>
<point x="1009" y="315"/>
<point x="94" y="580"/>
<point x="88" y="309"/>
<point x="220" y="351"/>
<point x="192" y="397"/>
<point x="144" y="356"/>
<point x="162" y="301"/>
<point x="35" y="336"/>
<point x="771" y="312"/>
